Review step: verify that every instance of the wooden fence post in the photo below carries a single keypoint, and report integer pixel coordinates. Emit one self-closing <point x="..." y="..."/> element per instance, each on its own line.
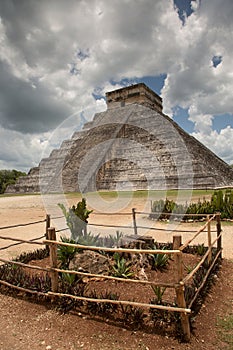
<point x="209" y="239"/>
<point x="46" y="230"/>
<point x="53" y="259"/>
<point x="180" y="299"/>
<point x="177" y="242"/>
<point x="219" y="230"/>
<point x="134" y="221"/>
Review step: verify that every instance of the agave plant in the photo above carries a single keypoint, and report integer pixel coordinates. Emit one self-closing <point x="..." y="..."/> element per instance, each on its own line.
<point x="159" y="292"/>
<point x="121" y="268"/>
<point x="116" y="240"/>
<point x="66" y="253"/>
<point x="159" y="261"/>
<point x="88" y="239"/>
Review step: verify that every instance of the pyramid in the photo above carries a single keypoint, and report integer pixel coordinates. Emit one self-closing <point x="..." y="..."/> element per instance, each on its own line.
<point x="132" y="145"/>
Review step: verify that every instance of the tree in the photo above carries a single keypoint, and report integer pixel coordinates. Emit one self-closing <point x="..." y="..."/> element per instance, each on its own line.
<point x="9" y="177"/>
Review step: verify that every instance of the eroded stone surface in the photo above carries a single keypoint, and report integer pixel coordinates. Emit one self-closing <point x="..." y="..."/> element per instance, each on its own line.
<point x="91" y="262"/>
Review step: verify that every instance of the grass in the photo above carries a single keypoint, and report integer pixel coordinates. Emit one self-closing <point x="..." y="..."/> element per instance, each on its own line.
<point x="225" y="330"/>
<point x="152" y="194"/>
<point x="19" y="194"/>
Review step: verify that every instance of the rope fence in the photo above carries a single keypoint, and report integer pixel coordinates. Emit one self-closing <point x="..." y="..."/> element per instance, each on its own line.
<point x="18" y="243"/>
<point x="51" y="243"/>
<point x="135" y="225"/>
<point x="21" y="225"/>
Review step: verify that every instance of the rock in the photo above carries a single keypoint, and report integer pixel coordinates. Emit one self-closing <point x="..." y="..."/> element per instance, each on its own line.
<point x="89" y="261"/>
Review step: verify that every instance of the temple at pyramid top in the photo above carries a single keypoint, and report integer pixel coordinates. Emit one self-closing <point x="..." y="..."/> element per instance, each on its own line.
<point x="138" y="93"/>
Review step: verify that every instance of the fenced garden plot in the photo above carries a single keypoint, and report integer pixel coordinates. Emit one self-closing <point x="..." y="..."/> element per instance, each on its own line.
<point x="168" y="294"/>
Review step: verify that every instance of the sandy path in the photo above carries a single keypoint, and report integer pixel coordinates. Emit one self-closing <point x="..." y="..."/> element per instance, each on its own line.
<point x="23" y="209"/>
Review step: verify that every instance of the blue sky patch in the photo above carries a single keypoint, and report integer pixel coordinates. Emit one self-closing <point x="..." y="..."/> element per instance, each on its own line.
<point x="222" y="121"/>
<point x="155" y="83"/>
<point x="184" y="8"/>
<point x="216" y="61"/>
<point x="180" y="116"/>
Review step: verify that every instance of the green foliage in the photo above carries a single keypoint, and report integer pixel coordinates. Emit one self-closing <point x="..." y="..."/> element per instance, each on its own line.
<point x="189" y="268"/>
<point x="88" y="239"/>
<point x="159" y="261"/>
<point x="223" y="202"/>
<point x="121" y="268"/>
<point x="220" y="202"/>
<point x="201" y="249"/>
<point x="225" y="330"/>
<point x="69" y="278"/>
<point x="66" y="253"/>
<point x="9" y="177"/>
<point x="159" y="292"/>
<point x="115" y="241"/>
<point x="76" y="218"/>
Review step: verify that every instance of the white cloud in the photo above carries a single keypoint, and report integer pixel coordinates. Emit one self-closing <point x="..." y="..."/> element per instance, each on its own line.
<point x="18" y="151"/>
<point x="195" y="83"/>
<point x="218" y="142"/>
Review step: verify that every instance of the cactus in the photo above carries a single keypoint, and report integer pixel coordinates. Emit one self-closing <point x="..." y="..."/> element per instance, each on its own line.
<point x="76" y="218"/>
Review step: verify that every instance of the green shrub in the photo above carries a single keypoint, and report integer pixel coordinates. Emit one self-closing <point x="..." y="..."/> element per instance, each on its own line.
<point x="66" y="253"/>
<point x="220" y="202"/>
<point x="9" y="177"/>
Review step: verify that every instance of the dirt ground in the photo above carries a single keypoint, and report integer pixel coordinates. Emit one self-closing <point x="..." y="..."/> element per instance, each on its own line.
<point x="27" y="325"/>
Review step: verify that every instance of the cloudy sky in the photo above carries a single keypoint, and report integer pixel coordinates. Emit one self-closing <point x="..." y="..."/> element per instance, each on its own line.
<point x="59" y="57"/>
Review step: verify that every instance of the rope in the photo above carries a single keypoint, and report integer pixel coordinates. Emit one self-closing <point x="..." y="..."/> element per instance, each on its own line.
<point x="18" y="225"/>
<point x="62" y="229"/>
<point x="118" y="226"/>
<point x="111" y="214"/>
<point x="164" y="229"/>
<point x="18" y="243"/>
<point x="57" y="217"/>
<point x="20" y="240"/>
<point x="170" y="214"/>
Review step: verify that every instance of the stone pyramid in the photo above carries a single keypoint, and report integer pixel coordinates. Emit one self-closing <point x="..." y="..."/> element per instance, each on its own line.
<point x="132" y="145"/>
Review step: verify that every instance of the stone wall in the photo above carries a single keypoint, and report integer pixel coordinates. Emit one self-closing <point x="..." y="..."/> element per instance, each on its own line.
<point x="139" y="93"/>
